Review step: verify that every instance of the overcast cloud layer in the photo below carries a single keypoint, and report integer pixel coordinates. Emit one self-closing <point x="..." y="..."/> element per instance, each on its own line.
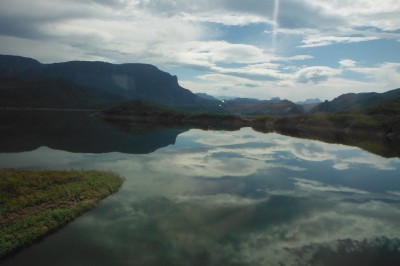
<point x="293" y="49"/>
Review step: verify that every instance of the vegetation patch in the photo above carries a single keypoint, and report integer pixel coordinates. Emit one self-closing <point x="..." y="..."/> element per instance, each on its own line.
<point x="145" y="112"/>
<point x="375" y="129"/>
<point x="34" y="203"/>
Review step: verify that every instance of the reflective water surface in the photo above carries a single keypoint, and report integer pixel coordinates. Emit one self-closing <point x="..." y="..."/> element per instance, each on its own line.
<point x="228" y="198"/>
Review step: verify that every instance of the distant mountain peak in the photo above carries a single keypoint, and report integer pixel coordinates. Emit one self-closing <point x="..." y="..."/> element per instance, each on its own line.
<point x="275" y="106"/>
<point x="309" y="101"/>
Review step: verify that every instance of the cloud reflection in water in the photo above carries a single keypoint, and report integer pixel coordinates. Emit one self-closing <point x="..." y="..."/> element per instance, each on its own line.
<point x="229" y="198"/>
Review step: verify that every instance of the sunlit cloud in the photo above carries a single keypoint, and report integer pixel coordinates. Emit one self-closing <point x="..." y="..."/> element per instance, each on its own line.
<point x="316" y="74"/>
<point x="347" y="63"/>
<point x="316" y="41"/>
<point x="263" y="42"/>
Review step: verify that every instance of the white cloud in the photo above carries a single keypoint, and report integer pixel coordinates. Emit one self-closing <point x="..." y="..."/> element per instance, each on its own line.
<point x="208" y="53"/>
<point x="298" y="83"/>
<point x="292" y="58"/>
<point x="347" y="63"/>
<point x="316" y="74"/>
<point x="383" y="14"/>
<point x="232" y="19"/>
<point x="210" y="36"/>
<point x="384" y="76"/>
<point x="315" y="41"/>
<point x="45" y="51"/>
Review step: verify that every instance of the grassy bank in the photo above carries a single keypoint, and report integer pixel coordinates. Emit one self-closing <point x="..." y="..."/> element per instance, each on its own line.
<point x="376" y="133"/>
<point x="34" y="203"/>
<point x="375" y="129"/>
<point x="161" y="116"/>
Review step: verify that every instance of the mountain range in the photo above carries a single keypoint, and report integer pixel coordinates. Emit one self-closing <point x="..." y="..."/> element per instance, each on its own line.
<point x="97" y="80"/>
<point x="355" y="101"/>
<point x="251" y="106"/>
<point x="275" y="106"/>
<point x="25" y="82"/>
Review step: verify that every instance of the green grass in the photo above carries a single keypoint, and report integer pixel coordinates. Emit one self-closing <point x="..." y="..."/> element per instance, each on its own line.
<point x="34" y="203"/>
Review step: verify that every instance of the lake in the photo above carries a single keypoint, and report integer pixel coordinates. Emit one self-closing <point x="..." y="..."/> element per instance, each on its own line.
<point x="194" y="197"/>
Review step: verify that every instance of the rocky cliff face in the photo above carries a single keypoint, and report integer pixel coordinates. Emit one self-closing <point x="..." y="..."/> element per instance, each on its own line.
<point x="131" y="81"/>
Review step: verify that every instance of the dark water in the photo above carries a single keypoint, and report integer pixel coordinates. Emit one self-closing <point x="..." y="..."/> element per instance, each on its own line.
<point x="77" y="132"/>
<point x="219" y="198"/>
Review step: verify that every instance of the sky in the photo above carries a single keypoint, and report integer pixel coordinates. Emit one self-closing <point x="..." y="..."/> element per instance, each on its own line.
<point x="292" y="49"/>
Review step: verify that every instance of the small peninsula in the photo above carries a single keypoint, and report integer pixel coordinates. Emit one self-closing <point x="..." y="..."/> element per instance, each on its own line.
<point x="35" y="203"/>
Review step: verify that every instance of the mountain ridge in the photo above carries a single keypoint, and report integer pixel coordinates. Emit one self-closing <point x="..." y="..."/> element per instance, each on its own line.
<point x="130" y="81"/>
<point x="355" y="101"/>
<point x="275" y="106"/>
<point x="25" y="82"/>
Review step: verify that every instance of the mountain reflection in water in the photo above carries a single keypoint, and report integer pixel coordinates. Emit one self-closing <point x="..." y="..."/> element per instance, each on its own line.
<point x="228" y="198"/>
<point x="79" y="131"/>
<point x="75" y="131"/>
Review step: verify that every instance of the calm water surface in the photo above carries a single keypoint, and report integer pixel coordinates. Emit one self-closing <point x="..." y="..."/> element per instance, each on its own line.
<point x="226" y="198"/>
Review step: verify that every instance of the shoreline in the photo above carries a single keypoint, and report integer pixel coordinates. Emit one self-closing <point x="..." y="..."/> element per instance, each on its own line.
<point x="36" y="203"/>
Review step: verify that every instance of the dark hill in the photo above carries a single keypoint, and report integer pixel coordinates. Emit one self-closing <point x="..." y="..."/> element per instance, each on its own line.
<point x="130" y="81"/>
<point x="354" y="101"/>
<point x="52" y="93"/>
<point x="246" y="106"/>
<point x="11" y="65"/>
<point x="147" y="113"/>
